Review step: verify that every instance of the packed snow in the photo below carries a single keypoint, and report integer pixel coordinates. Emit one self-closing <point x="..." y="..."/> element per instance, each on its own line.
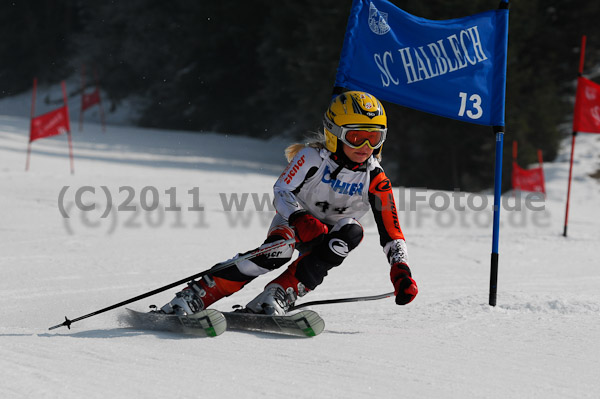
<point x="540" y="341"/>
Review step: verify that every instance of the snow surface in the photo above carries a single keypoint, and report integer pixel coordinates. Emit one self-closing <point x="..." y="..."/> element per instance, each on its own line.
<point x="541" y="341"/>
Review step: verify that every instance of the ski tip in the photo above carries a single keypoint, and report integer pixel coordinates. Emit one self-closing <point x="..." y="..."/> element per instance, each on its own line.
<point x="305" y="323"/>
<point x="315" y="323"/>
<point x="207" y="323"/>
<point x="211" y="321"/>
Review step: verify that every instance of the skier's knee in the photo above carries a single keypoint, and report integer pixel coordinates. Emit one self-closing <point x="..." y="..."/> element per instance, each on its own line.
<point x="343" y="238"/>
<point x="349" y="230"/>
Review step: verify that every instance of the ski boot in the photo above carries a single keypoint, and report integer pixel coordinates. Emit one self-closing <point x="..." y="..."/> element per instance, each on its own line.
<point x="280" y="294"/>
<point x="200" y="294"/>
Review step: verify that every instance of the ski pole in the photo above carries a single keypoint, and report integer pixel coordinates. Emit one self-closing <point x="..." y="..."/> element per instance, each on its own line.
<point x="342" y="300"/>
<point x="218" y="267"/>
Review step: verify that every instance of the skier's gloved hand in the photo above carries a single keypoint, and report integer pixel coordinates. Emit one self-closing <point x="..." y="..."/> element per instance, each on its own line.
<point x="405" y="288"/>
<point x="307" y="226"/>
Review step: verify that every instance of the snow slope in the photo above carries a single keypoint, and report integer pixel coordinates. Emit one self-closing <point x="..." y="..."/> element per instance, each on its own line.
<point x="541" y="341"/>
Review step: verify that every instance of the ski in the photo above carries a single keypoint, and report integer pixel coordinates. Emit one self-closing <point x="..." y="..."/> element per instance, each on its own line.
<point x="211" y="323"/>
<point x="207" y="323"/>
<point x="306" y="323"/>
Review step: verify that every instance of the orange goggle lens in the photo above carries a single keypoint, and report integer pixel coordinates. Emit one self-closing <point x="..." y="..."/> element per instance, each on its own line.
<point x="358" y="138"/>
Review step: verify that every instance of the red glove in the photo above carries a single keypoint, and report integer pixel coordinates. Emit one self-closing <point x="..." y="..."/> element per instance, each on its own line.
<point x="307" y="226"/>
<point x="405" y="287"/>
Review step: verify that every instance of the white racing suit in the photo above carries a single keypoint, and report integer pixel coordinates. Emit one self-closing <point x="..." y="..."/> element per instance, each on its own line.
<point x="336" y="195"/>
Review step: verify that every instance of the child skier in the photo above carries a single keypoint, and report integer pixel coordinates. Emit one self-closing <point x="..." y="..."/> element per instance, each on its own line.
<point x="327" y="186"/>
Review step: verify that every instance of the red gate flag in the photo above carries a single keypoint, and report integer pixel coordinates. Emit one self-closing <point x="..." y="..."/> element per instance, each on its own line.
<point x="50" y="124"/>
<point x="586" y="118"/>
<point x="89" y="100"/>
<point x="528" y="179"/>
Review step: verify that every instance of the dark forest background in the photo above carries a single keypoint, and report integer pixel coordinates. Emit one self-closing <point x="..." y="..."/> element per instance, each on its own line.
<point x="266" y="68"/>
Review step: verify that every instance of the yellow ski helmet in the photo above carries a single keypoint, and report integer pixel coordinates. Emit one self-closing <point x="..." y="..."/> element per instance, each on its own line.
<point x="356" y="118"/>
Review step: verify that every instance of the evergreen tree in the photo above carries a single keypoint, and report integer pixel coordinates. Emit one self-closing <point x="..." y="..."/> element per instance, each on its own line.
<point x="266" y="68"/>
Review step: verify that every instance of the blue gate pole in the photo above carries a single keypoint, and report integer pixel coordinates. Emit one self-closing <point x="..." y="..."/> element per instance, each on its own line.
<point x="499" y="130"/>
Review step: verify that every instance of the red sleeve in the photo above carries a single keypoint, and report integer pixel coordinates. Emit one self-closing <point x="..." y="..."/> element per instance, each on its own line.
<point x="381" y="198"/>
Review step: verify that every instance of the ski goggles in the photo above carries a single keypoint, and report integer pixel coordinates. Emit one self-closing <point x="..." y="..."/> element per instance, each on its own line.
<point x="358" y="136"/>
